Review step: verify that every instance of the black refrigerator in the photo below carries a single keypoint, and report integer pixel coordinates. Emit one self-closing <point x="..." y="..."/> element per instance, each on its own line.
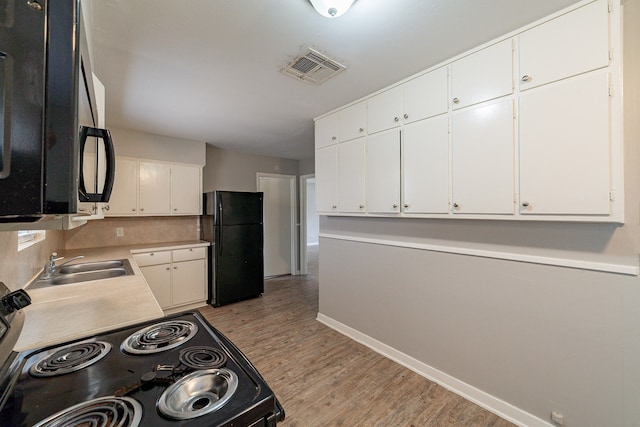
<point x="232" y="222"/>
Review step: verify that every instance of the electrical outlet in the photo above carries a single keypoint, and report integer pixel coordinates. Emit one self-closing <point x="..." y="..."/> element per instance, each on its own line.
<point x="557" y="418"/>
<point x="119" y="231"/>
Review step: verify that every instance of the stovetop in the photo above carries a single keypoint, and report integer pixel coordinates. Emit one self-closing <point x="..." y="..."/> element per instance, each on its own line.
<point x="124" y="372"/>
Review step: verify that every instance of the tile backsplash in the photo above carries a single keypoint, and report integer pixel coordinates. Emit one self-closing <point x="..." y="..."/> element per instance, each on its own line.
<point x="132" y="231"/>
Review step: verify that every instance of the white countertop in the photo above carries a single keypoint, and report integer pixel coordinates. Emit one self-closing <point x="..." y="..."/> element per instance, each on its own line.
<point x="61" y="313"/>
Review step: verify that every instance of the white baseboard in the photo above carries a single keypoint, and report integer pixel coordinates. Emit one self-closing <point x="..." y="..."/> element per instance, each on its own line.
<point x="485" y="400"/>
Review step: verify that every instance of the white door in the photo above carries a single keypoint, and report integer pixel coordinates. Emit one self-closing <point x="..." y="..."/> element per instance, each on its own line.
<point x="279" y="208"/>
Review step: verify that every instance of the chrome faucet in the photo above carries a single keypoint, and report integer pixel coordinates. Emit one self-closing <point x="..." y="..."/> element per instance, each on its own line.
<point x="50" y="266"/>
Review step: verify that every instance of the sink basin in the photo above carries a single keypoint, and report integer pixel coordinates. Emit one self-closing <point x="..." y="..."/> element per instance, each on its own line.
<point x="91" y="266"/>
<point x="85" y="276"/>
<point x="87" y="271"/>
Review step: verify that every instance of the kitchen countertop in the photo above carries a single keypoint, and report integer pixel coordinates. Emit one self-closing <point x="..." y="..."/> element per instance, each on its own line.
<point x="61" y="313"/>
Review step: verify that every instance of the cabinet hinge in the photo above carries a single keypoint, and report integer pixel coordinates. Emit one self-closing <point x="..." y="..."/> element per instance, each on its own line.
<point x="609" y="7"/>
<point x="610" y="54"/>
<point x="610" y="90"/>
<point x="612" y="195"/>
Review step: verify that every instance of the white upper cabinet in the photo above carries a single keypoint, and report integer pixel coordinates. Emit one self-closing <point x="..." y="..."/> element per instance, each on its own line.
<point x="425" y="96"/>
<point x="565" y="147"/>
<point x="425" y="153"/>
<point x="482" y="158"/>
<point x="351" y="176"/>
<point x="352" y="121"/>
<point x="384" y="111"/>
<point x="186" y="192"/>
<point x="568" y="45"/>
<point x="383" y="172"/>
<point x="326" y="130"/>
<point x="124" y="195"/>
<point x="483" y="75"/>
<point x="155" y="188"/>
<point x="327" y="179"/>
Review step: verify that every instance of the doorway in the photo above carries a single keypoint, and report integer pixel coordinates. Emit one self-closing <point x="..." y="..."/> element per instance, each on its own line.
<point x="279" y="223"/>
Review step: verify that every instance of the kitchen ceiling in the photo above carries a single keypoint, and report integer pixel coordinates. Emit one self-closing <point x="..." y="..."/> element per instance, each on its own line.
<point x="209" y="70"/>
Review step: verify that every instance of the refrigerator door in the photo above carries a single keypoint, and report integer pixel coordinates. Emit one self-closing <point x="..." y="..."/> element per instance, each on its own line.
<point x="238" y="265"/>
<point x="236" y="208"/>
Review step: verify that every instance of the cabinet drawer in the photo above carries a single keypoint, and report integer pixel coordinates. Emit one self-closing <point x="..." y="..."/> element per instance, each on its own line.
<point x="152" y="258"/>
<point x="189" y="254"/>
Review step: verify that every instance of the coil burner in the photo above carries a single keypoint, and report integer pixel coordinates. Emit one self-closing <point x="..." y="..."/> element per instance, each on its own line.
<point x="104" y="411"/>
<point x="159" y="337"/>
<point x="202" y="357"/>
<point x="70" y="358"/>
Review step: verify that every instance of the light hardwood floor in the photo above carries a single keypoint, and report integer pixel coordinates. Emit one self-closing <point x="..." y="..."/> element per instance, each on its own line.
<point x="323" y="378"/>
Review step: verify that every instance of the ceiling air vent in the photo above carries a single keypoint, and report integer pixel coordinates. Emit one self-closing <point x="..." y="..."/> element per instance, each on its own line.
<point x="313" y="67"/>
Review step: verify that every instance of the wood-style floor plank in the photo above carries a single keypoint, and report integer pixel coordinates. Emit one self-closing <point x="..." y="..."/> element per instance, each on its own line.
<point x="323" y="378"/>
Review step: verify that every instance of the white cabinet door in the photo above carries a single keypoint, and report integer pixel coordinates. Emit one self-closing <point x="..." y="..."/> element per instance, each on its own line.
<point x="383" y="172"/>
<point x="124" y="196"/>
<point x="189" y="282"/>
<point x="425" y="96"/>
<point x="352" y="121"/>
<point x="351" y="176"/>
<point x="159" y="279"/>
<point x="565" y="46"/>
<point x="155" y="188"/>
<point x="564" y="147"/>
<point x="384" y="111"/>
<point x="483" y="75"/>
<point x="326" y="130"/>
<point x="482" y="159"/>
<point x="186" y="190"/>
<point x="425" y="156"/>
<point x="327" y="179"/>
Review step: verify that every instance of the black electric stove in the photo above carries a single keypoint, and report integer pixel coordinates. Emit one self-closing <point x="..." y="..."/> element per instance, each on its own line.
<point x="176" y="370"/>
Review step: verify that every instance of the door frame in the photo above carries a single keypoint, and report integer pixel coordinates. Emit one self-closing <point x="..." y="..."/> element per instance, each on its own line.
<point x="303" y="221"/>
<point x="294" y="209"/>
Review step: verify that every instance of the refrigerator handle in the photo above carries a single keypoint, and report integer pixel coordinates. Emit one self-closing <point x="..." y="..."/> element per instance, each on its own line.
<point x="218" y="240"/>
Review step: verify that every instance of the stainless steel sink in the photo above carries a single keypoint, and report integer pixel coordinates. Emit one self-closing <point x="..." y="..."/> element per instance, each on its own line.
<point x="91" y="266"/>
<point x="85" y="272"/>
<point x="85" y="276"/>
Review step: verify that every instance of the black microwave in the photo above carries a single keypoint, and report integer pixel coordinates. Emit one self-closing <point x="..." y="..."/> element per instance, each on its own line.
<point x="48" y="114"/>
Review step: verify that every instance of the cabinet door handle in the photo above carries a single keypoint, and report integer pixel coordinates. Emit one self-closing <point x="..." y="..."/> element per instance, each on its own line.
<point x="406" y="116"/>
<point x="333" y="138"/>
<point x="406" y="206"/>
<point x="361" y="130"/>
<point x="396" y="119"/>
<point x="168" y="269"/>
<point x="361" y="206"/>
<point x="175" y="209"/>
<point x="133" y="209"/>
<point x="395" y="206"/>
<point x="175" y="268"/>
<point x="456" y="101"/>
<point x="141" y="209"/>
<point x="526" y="78"/>
<point x="334" y="207"/>
<point x="106" y="207"/>
<point x="525" y="204"/>
<point x="455" y="205"/>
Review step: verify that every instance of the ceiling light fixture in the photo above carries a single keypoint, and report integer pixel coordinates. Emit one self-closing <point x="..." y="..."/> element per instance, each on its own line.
<point x="332" y="8"/>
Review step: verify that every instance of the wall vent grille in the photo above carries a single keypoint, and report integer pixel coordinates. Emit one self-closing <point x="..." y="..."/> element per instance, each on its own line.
<point x="313" y="67"/>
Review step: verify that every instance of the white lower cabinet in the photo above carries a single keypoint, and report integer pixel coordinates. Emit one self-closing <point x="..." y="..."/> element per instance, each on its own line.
<point x="425" y="157"/>
<point x="327" y="179"/>
<point x="565" y="147"/>
<point x="176" y="277"/>
<point x="383" y="172"/>
<point x="482" y="140"/>
<point x="351" y="176"/>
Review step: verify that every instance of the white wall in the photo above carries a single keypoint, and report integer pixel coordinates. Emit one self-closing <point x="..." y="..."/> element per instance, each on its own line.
<point x="524" y="339"/>
<point x="142" y="145"/>
<point x="235" y="171"/>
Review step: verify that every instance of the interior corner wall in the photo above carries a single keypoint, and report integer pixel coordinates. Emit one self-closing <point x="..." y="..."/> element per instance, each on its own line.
<point x="141" y="145"/>
<point x="17" y="269"/>
<point x="535" y="337"/>
<point x="236" y="171"/>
